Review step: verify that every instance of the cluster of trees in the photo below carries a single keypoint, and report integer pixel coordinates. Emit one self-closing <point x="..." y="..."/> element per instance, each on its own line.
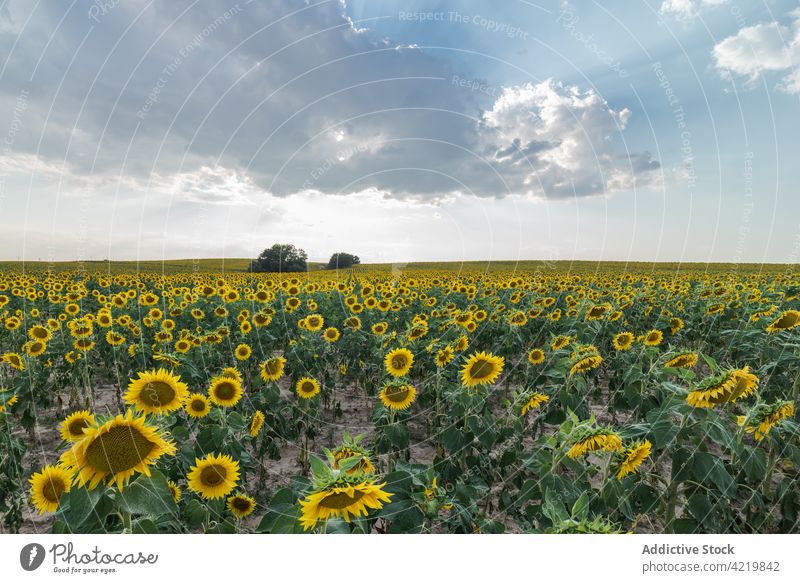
<point x="283" y="257"/>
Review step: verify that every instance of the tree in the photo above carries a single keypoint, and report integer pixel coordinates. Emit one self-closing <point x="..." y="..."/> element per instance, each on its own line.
<point x="343" y="261"/>
<point x="281" y="257"/>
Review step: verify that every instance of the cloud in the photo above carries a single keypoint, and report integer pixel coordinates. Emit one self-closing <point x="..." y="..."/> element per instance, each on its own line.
<point x="765" y="47"/>
<point x="686" y="9"/>
<point x="233" y="103"/>
<point x="558" y="140"/>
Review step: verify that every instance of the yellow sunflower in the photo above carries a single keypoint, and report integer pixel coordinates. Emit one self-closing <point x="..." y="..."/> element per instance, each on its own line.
<point x="633" y="457"/>
<point x="331" y="334"/>
<point x="197" y="405"/>
<point x="256" y="423"/>
<point x="272" y="369"/>
<point x="345" y="500"/>
<point x="586" y="363"/>
<point x="158" y="391"/>
<point x="72" y="427"/>
<point x="225" y="391"/>
<point x="397" y="396"/>
<point x="115" y="451"/>
<point x="241" y="505"/>
<point x="214" y="476"/>
<point x="623" y="341"/>
<point x="175" y="490"/>
<point x="536" y="356"/>
<point x="535" y="401"/>
<point x="786" y="321"/>
<point x="682" y="360"/>
<point x="307" y="388"/>
<point x="726" y="387"/>
<point x="243" y="352"/>
<point x="653" y="338"/>
<point x="398" y="362"/>
<point x="482" y="368"/>
<point x="597" y="440"/>
<point x="47" y="486"/>
<point x="764" y="417"/>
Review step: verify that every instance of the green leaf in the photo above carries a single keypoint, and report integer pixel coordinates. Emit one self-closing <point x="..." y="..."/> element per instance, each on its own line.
<point x="707" y="467"/>
<point x="148" y="496"/>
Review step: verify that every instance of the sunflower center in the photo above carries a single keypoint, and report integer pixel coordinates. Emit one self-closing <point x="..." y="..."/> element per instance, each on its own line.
<point x="241" y="504"/>
<point x="307" y="387"/>
<point x="77" y="426"/>
<point x="481" y="369"/>
<point x="157" y="394"/>
<point x="398" y="361"/>
<point x="397" y="394"/>
<point x="341" y="500"/>
<point x="198" y="405"/>
<point x="40" y="333"/>
<point x="213" y="475"/>
<point x="225" y="391"/>
<point x="53" y="489"/>
<point x="120" y="449"/>
<point x="271" y="368"/>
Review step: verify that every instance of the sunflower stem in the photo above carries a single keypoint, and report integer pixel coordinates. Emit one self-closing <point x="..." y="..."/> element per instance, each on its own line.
<point x="126" y="522"/>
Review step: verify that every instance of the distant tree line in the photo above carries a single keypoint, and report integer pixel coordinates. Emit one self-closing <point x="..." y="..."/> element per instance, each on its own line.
<point x="285" y="258"/>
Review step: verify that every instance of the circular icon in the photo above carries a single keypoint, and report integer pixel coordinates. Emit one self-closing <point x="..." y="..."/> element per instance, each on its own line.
<point x="31" y="556"/>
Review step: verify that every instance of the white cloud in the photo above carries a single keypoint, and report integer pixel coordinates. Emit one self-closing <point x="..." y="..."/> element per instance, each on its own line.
<point x="761" y="48"/>
<point x="686" y="9"/>
<point x="561" y="139"/>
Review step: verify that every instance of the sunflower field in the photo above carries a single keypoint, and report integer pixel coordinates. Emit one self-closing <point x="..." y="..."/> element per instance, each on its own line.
<point x="429" y="400"/>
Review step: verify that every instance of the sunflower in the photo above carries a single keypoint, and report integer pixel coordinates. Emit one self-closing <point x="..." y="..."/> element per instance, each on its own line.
<point x="764" y="417"/>
<point x="623" y="341"/>
<point x="13" y="359"/>
<point x="175" y="490"/>
<point x="272" y="369"/>
<point x="536" y="356"/>
<point x="398" y="362"/>
<point x="586" y="363"/>
<point x="157" y="391"/>
<point x="225" y="391"/>
<point x="351" y="448"/>
<point x="560" y="342"/>
<point x="307" y="388"/>
<point x="482" y="368"/>
<point x="241" y="505"/>
<point x="116" y="450"/>
<point x="633" y="456"/>
<point x="232" y="373"/>
<point x="682" y="360"/>
<point x="214" y="476"/>
<point x="256" y="423"/>
<point x="72" y="427"/>
<point x="535" y="401"/>
<point x="47" y="487"/>
<point x="726" y="387"/>
<point x="786" y="321"/>
<point x="594" y="439"/>
<point x="314" y="322"/>
<point x="653" y="338"/>
<point x="380" y="328"/>
<point x="198" y="405"/>
<point x="397" y="396"/>
<point x="8" y="404"/>
<point x="344" y="499"/>
<point x="444" y="356"/>
<point x="331" y="334"/>
<point x="114" y="339"/>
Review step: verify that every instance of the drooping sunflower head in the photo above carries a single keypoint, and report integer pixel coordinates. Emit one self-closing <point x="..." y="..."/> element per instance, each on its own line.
<point x="399" y="361"/>
<point x="272" y="369"/>
<point x="307" y="388"/>
<point x="786" y="321"/>
<point x="352" y="457"/>
<point x="213" y="476"/>
<point x="225" y="391"/>
<point x="589" y="437"/>
<point x="256" y="423"/>
<point x="157" y="391"/>
<point x="533" y="402"/>
<point x="241" y="505"/>
<point x="725" y="387"/>
<point x="72" y="427"/>
<point x="764" y="417"/>
<point x="114" y="451"/>
<point x="585" y="363"/>
<point x="482" y="368"/>
<point x="632" y="457"/>
<point x="397" y="396"/>
<point x="47" y="486"/>
<point x="682" y="360"/>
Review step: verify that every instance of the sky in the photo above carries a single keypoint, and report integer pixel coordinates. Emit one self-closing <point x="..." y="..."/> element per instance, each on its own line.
<point x="439" y="130"/>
